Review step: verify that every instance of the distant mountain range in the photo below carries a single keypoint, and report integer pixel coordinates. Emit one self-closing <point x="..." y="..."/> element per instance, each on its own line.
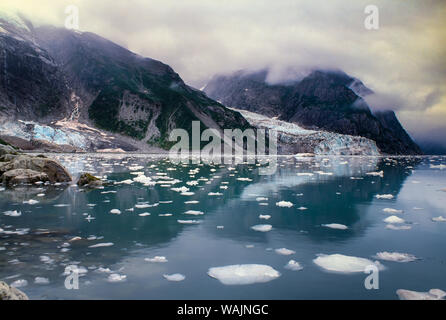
<point x="327" y="100"/>
<point x="48" y="74"/>
<point x="66" y="90"/>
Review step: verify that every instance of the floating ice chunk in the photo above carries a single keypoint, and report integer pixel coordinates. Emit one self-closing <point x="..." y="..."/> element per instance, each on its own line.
<point x="103" y="244"/>
<point x="215" y="194"/>
<point x="439" y="219"/>
<point x="285" y="204"/>
<point x="75" y="239"/>
<point x="244" y="179"/>
<point x="262" y="227"/>
<point x="323" y="173"/>
<point x="145" y="205"/>
<point x="309" y="174"/>
<point x="31" y="202"/>
<point x="393" y="227"/>
<point x="41" y="280"/>
<point x="266" y="216"/>
<point x="145" y="214"/>
<point x="285" y="251"/>
<point x="14" y="213"/>
<point x="243" y="274"/>
<point x="143" y="179"/>
<point x="384" y="196"/>
<point x="391" y="210"/>
<point x="115" y="277"/>
<point x="187" y="193"/>
<point x="61" y="205"/>
<point x="395" y="256"/>
<point x="192" y="202"/>
<point x="174" y="277"/>
<point x="344" y="264"/>
<point x="103" y="270"/>
<point x="128" y="181"/>
<point x="115" y="211"/>
<point x="194" y="212"/>
<point x="135" y="168"/>
<point x="188" y="221"/>
<point x="335" y="226"/>
<point x="19" y="283"/>
<point x="181" y="189"/>
<point x="376" y="174"/>
<point x="165" y="215"/>
<point x="433" y="294"/>
<point x="192" y="183"/>
<point x="220" y="227"/>
<point x="293" y="266"/>
<point x="261" y="199"/>
<point x="40" y="194"/>
<point x="159" y="259"/>
<point x="393" y="219"/>
<point x="302" y="208"/>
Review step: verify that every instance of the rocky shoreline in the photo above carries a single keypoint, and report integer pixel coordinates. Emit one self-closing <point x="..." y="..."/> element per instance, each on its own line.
<point x="17" y="168"/>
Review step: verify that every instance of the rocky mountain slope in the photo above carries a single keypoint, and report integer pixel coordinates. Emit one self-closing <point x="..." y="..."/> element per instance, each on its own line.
<point x="78" y="82"/>
<point x="327" y="100"/>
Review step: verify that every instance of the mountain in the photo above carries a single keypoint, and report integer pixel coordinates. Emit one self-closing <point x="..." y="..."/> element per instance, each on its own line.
<point x="326" y="100"/>
<point x="72" y="83"/>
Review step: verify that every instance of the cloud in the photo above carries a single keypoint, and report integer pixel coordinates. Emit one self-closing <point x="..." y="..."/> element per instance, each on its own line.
<point x="403" y="61"/>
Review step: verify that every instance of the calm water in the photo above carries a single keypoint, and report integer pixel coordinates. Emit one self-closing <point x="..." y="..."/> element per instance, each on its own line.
<point x="36" y="243"/>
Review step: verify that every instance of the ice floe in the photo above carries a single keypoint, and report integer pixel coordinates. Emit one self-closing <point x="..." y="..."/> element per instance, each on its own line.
<point x="432" y="294"/>
<point x="41" y="280"/>
<point x="376" y="174"/>
<point x="13" y="213"/>
<point x="264" y="216"/>
<point x="115" y="277"/>
<point x="144" y="214"/>
<point x="158" y="259"/>
<point x="393" y="219"/>
<point x="384" y="196"/>
<point x="262" y="227"/>
<point x="243" y="274"/>
<point x="284" y="251"/>
<point x="395" y="256"/>
<point x="174" y="277"/>
<point x="335" y="226"/>
<point x="285" y="204"/>
<point x="393" y="227"/>
<point x="115" y="211"/>
<point x="439" y="219"/>
<point x="293" y="266"/>
<point x="391" y="210"/>
<point x="103" y="244"/>
<point x="344" y="264"/>
<point x="188" y="221"/>
<point x="194" y="212"/>
<point x="31" y="201"/>
<point x="19" y="283"/>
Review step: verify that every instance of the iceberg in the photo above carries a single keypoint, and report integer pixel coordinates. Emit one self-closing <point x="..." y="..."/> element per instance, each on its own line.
<point x="174" y="277"/>
<point x="262" y="227"/>
<point x="293" y="266"/>
<point x="344" y="264"/>
<point x="335" y="226"/>
<point x="433" y="294"/>
<point x="243" y="274"/>
<point x="395" y="256"/>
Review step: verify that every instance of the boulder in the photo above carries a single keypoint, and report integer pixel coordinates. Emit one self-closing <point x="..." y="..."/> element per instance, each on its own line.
<point x="53" y="169"/>
<point x="10" y="293"/>
<point x="23" y="176"/>
<point x="88" y="180"/>
<point x="6" y="149"/>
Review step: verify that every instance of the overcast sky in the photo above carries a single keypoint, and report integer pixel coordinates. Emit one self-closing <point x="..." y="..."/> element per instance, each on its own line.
<point x="404" y="61"/>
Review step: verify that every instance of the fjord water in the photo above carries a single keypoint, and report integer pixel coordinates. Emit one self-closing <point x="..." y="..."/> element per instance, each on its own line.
<point x="322" y="191"/>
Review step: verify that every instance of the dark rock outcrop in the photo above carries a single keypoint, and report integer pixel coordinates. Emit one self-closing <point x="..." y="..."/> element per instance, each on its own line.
<point x="23" y="176"/>
<point x="88" y="180"/>
<point x="327" y="100"/>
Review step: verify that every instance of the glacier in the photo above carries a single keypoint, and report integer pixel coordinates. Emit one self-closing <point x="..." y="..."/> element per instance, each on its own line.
<point x="293" y="139"/>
